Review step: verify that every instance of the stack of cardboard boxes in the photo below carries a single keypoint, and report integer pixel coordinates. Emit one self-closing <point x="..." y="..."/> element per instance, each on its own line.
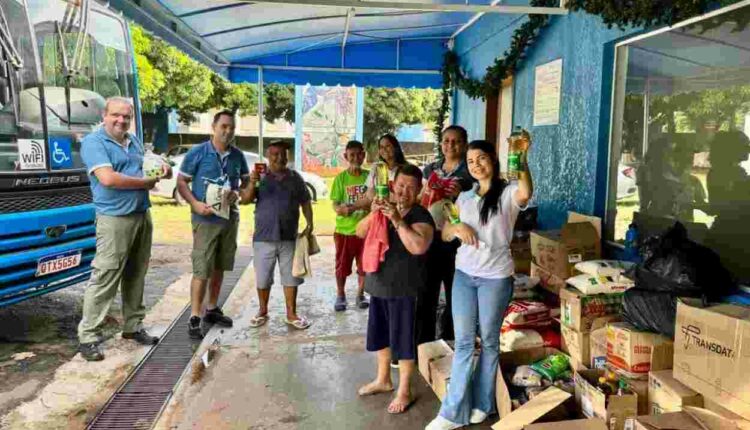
<point x="668" y="383"/>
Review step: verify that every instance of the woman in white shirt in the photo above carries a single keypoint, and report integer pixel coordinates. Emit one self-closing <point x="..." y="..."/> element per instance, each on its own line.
<point x="483" y="283"/>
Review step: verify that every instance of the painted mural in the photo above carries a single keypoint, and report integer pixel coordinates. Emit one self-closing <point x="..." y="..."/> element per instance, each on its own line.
<point x="329" y="121"/>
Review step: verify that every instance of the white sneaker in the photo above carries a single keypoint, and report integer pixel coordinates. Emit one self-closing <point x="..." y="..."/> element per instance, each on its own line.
<point x="477" y="416"/>
<point x="440" y="423"/>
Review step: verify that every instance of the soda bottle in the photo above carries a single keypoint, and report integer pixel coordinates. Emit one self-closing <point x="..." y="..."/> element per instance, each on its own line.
<point x="451" y="212"/>
<point x="623" y="387"/>
<point x="381" y="180"/>
<point x="604" y="386"/>
<point x="518" y="145"/>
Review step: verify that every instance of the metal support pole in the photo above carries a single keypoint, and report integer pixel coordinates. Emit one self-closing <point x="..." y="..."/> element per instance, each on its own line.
<point x="646" y="100"/>
<point x="260" y="112"/>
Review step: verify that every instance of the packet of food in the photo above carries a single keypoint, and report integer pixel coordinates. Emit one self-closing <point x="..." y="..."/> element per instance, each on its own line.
<point x="525" y="376"/>
<point x="552" y="366"/>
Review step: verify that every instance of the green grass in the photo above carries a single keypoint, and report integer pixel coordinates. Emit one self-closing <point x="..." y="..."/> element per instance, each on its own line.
<point x="172" y="222"/>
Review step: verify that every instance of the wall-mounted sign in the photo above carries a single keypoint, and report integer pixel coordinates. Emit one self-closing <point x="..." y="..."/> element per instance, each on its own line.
<point x="547" y="86"/>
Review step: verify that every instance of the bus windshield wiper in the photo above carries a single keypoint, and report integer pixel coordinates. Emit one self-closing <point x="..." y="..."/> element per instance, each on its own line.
<point x="6" y="43"/>
<point x="72" y="65"/>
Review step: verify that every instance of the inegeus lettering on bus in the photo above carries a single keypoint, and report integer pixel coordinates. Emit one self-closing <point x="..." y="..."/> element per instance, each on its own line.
<point x="36" y="181"/>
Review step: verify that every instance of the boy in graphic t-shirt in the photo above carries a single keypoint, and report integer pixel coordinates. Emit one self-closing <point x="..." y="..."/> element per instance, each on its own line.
<point x="350" y="204"/>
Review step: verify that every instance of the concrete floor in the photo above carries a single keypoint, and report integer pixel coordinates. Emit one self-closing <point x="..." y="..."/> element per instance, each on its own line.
<point x="278" y="378"/>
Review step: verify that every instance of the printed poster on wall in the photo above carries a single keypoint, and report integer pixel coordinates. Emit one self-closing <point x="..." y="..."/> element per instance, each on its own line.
<point x="547" y="85"/>
<point x="329" y="121"/>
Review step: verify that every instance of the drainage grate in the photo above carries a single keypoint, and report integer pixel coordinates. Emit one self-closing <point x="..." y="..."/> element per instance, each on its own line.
<point x="140" y="399"/>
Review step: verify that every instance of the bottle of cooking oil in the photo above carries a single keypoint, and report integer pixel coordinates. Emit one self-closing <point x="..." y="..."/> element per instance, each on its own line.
<point x="518" y="145"/>
<point x="381" y="180"/>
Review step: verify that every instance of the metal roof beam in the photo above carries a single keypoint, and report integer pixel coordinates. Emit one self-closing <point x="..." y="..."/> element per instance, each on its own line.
<point x="519" y="10"/>
<point x="349" y="16"/>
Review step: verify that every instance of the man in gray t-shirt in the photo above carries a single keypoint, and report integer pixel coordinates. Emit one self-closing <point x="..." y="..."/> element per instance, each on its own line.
<point x="278" y="196"/>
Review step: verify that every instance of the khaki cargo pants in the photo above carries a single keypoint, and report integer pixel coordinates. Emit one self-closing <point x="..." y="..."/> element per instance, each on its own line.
<point x="123" y="250"/>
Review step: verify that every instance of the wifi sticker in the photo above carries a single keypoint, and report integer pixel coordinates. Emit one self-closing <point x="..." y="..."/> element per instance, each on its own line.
<point x="31" y="155"/>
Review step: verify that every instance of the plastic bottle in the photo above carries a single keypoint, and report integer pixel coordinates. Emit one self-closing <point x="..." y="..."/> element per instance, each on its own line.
<point x="604" y="386"/>
<point x="381" y="180"/>
<point x="623" y="388"/>
<point x="631" y="243"/>
<point x="518" y="144"/>
<point x="451" y="211"/>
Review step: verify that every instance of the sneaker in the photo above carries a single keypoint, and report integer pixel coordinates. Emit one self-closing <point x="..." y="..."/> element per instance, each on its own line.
<point x="363" y="302"/>
<point x="90" y="351"/>
<point x="340" y="304"/>
<point x="477" y="416"/>
<point x="394" y="364"/>
<point x="216" y="316"/>
<point x="142" y="337"/>
<point x="194" y="328"/>
<point x="440" y="423"/>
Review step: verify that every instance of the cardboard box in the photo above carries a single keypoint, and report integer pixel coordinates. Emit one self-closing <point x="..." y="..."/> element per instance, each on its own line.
<point x="533" y="410"/>
<point x="614" y="410"/>
<point x="577" y="344"/>
<point x="587" y="424"/>
<point x="440" y="374"/>
<point x="634" y="353"/>
<point x="712" y="352"/>
<point x="666" y="394"/>
<point x="598" y="344"/>
<point x="559" y="250"/>
<point x="691" y="418"/>
<point x="547" y="280"/>
<point x="641" y="389"/>
<point x="511" y="360"/>
<point x="520" y="249"/>
<point x="578" y="311"/>
<point x="435" y="359"/>
<point x="720" y="410"/>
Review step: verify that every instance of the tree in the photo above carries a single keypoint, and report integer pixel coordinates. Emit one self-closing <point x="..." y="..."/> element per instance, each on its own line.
<point x="386" y="109"/>
<point x="150" y="79"/>
<point x="278" y="102"/>
<point x="241" y="98"/>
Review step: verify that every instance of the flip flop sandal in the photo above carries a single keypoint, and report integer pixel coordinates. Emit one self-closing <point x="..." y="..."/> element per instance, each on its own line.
<point x="299" y="324"/>
<point x="258" y="321"/>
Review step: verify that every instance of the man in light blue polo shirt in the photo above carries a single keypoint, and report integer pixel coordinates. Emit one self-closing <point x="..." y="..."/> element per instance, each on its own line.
<point x="114" y="161"/>
<point x="214" y="238"/>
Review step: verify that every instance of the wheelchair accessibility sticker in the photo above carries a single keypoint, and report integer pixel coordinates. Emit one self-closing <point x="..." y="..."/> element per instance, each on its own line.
<point x="60" y="152"/>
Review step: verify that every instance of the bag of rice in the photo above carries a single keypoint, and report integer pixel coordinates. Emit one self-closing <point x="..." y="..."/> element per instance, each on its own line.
<point x="526" y="314"/>
<point x="613" y="268"/>
<point x="589" y="284"/>
<point x="513" y="340"/>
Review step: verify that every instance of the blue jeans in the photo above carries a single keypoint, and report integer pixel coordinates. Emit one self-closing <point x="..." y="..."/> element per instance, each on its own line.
<point x="483" y="301"/>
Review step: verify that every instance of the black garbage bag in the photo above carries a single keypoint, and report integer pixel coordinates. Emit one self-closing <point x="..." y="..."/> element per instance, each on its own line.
<point x="653" y="311"/>
<point x="675" y="264"/>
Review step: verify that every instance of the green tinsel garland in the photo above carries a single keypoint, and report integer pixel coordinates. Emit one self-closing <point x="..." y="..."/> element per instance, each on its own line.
<point x="620" y="13"/>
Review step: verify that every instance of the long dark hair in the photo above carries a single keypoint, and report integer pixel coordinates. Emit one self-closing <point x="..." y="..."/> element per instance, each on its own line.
<point x="491" y="199"/>
<point x="398" y="153"/>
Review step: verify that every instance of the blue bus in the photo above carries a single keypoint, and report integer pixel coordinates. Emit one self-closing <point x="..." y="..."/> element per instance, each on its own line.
<point x="59" y="61"/>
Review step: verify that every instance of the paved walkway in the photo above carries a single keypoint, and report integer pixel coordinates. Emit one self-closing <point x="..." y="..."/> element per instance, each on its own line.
<point x="275" y="377"/>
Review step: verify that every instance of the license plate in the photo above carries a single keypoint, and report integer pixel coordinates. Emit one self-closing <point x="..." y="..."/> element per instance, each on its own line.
<point x="58" y="262"/>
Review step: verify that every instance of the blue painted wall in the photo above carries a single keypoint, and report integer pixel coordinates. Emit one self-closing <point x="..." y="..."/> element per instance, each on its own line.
<point x="568" y="160"/>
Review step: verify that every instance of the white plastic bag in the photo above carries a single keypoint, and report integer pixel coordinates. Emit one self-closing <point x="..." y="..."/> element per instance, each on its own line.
<point x="613" y="268"/>
<point x="588" y="284"/>
<point x="525" y="376"/>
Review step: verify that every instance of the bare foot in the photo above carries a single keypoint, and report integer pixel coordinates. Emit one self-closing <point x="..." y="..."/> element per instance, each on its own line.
<point x="400" y="403"/>
<point x="375" y="387"/>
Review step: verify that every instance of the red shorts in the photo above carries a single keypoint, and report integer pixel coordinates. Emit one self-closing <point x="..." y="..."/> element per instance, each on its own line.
<point x="348" y="248"/>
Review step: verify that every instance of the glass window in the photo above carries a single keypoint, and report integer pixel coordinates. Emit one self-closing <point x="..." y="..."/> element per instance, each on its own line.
<point x="680" y="147"/>
<point x="79" y="71"/>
